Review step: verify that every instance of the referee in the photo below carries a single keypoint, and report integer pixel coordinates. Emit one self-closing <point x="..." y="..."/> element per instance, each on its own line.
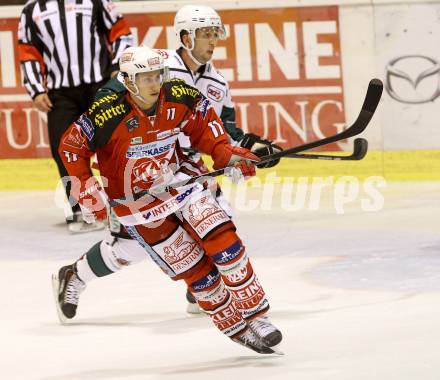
<point x="68" y="49"/>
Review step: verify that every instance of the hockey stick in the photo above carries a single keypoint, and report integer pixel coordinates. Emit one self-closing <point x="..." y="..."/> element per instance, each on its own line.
<point x="371" y="101"/>
<point x="360" y="149"/>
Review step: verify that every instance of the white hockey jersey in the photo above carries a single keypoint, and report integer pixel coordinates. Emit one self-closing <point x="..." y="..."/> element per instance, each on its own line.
<point x="207" y="80"/>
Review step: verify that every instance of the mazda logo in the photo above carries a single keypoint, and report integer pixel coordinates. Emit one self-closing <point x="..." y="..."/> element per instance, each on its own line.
<point x="413" y="79"/>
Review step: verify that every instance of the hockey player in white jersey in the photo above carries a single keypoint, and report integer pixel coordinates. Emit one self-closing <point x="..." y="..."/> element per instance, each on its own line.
<point x="198" y="29"/>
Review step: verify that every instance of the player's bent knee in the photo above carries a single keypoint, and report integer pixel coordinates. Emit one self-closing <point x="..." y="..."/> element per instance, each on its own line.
<point x="204" y="216"/>
<point x="123" y="252"/>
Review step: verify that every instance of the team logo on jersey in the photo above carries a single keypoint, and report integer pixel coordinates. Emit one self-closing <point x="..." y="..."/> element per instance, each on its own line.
<point x="85" y="124"/>
<point x="146" y="171"/>
<point x="132" y="123"/>
<point x="215" y="93"/>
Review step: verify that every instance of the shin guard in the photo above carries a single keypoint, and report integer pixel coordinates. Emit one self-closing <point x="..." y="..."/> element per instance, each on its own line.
<point x="215" y="299"/>
<point x="240" y="279"/>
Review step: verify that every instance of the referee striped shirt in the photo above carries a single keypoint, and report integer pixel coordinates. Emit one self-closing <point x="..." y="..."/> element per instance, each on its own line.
<point x="65" y="43"/>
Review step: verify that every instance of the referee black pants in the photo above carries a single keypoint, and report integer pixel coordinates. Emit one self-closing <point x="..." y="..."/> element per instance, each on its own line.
<point x="67" y="105"/>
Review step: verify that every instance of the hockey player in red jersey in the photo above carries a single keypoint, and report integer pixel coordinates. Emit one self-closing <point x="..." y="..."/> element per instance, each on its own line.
<point x="198" y="29"/>
<point x="184" y="230"/>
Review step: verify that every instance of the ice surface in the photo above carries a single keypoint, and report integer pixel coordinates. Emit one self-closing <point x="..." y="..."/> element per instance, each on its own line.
<point x="356" y="296"/>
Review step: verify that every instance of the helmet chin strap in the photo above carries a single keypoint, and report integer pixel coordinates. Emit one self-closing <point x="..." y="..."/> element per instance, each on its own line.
<point x="194" y="59"/>
<point x="190" y="52"/>
<point x="136" y="93"/>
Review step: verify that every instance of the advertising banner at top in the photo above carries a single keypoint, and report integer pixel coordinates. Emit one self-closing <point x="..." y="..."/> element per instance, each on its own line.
<point x="282" y="64"/>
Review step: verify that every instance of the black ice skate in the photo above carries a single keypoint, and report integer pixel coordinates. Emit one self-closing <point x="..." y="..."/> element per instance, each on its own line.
<point x="67" y="287"/>
<point x="250" y="340"/>
<point x="266" y="331"/>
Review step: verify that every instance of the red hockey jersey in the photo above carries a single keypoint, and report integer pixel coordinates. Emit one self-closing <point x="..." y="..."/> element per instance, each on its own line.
<point x="132" y="147"/>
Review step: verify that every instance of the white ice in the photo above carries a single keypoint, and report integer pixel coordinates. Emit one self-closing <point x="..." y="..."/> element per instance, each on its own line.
<point x="356" y="296"/>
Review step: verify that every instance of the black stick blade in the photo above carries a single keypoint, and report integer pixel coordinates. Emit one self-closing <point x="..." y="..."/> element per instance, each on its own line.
<point x="360" y="148"/>
<point x="374" y="93"/>
<point x="371" y="101"/>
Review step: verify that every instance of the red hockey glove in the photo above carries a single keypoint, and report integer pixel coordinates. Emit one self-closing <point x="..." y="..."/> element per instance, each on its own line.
<point x="240" y="163"/>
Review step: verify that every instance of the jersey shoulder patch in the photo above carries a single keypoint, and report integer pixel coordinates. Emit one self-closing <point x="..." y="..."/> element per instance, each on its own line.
<point x="108" y="110"/>
<point x="178" y="91"/>
<point x="103" y="116"/>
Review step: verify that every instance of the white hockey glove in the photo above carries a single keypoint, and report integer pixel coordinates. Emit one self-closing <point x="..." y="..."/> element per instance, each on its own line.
<point x="260" y="147"/>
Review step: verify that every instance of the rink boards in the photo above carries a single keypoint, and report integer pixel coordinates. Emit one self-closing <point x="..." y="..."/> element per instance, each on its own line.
<point x="41" y="174"/>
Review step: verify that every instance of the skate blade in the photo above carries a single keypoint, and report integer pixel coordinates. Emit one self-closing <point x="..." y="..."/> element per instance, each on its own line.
<point x="55" y="287"/>
<point x="276" y="350"/>
<point x="194" y="309"/>
<point x="82" y="227"/>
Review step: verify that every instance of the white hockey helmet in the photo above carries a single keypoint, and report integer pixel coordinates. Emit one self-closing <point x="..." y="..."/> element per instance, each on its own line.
<point x="140" y="59"/>
<point x="189" y="18"/>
